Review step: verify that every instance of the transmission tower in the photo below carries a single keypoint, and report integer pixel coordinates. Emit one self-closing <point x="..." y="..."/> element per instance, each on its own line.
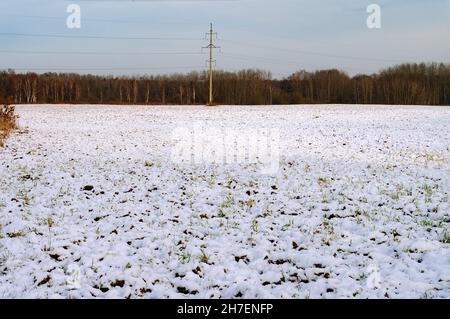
<point x="211" y="48"/>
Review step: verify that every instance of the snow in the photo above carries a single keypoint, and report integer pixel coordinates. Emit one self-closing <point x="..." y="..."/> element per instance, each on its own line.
<point x="358" y="208"/>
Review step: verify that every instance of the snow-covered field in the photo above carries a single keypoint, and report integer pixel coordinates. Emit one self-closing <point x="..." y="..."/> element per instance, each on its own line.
<point x="92" y="205"/>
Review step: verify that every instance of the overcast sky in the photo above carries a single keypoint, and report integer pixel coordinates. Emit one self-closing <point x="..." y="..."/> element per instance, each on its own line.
<point x="281" y="36"/>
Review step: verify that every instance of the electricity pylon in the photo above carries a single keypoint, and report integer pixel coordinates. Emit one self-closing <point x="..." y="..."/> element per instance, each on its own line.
<point x="211" y="47"/>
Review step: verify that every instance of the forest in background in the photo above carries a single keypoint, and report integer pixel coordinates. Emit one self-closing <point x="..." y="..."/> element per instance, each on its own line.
<point x="405" y="84"/>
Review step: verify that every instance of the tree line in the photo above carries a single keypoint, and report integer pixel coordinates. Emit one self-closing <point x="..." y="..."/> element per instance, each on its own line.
<point x="423" y="84"/>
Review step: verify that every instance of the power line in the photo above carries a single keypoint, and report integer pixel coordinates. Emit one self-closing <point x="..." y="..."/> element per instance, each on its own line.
<point x="99" y="53"/>
<point x="62" y="18"/>
<point x="252" y="58"/>
<point x="272" y="60"/>
<point x="323" y="54"/>
<point x="103" y="69"/>
<point x="38" y="35"/>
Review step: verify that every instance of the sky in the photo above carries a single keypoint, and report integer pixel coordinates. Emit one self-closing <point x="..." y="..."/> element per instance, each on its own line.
<point x="280" y="36"/>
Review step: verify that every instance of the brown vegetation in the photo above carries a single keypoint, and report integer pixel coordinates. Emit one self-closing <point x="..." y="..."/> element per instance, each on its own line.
<point x="425" y="84"/>
<point x="7" y="121"/>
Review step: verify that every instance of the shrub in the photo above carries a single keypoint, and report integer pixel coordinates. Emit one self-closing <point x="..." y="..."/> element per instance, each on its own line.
<point x="7" y="121"/>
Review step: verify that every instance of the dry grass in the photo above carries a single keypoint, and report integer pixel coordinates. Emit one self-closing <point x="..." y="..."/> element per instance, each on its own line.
<point x="7" y="122"/>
